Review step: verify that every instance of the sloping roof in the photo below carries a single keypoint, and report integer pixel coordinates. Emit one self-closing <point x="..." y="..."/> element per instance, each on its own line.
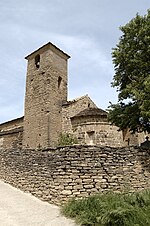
<point x="13" y="120"/>
<point x="77" y="99"/>
<point x="91" y="112"/>
<point x="51" y="46"/>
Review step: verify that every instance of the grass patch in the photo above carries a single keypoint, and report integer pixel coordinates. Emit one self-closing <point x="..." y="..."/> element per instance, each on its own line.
<point x="111" y="209"/>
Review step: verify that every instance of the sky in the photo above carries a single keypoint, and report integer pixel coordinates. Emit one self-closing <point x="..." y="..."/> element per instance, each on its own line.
<point x="87" y="30"/>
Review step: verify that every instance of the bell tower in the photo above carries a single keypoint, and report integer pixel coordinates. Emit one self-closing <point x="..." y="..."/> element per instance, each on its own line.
<point x="46" y="90"/>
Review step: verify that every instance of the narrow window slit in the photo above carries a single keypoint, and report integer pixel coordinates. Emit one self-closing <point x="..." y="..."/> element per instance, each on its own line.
<point x="59" y="81"/>
<point x="37" y="61"/>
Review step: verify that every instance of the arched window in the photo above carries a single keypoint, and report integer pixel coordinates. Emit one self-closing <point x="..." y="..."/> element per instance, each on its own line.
<point x="37" y="61"/>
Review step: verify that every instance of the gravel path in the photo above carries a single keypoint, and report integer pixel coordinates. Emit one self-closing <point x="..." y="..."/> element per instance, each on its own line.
<point x="21" y="209"/>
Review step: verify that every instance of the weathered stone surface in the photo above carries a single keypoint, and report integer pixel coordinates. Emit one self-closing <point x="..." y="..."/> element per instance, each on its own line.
<point x="66" y="192"/>
<point x="11" y="134"/>
<point x="37" y="171"/>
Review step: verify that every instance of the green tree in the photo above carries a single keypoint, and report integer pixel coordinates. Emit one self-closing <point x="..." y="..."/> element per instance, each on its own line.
<point x="131" y="59"/>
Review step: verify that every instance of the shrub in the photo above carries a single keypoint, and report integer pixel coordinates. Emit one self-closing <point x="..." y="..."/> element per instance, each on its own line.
<point x="67" y="139"/>
<point x="111" y="209"/>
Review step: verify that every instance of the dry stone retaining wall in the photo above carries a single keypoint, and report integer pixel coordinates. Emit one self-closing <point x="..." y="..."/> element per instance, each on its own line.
<point x="59" y="174"/>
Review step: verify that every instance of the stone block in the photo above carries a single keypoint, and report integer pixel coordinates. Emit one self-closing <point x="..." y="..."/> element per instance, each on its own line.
<point x="66" y="192"/>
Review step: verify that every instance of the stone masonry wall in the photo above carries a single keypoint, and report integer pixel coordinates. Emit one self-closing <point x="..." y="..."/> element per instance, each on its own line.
<point x="46" y="90"/>
<point x="72" y="108"/>
<point x="59" y="174"/>
<point x="11" y="139"/>
<point x="11" y="134"/>
<point x="13" y="124"/>
<point x="103" y="133"/>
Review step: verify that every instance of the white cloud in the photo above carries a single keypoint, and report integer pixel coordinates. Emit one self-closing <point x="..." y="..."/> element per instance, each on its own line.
<point x="85" y="29"/>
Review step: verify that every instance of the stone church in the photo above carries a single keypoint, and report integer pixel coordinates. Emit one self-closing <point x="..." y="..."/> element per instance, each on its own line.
<point x="48" y="113"/>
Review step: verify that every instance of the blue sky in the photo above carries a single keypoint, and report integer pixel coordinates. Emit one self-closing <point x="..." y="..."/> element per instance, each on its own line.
<point x="85" y="29"/>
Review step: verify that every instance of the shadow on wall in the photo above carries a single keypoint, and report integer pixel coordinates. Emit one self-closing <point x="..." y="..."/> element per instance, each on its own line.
<point x="145" y="158"/>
